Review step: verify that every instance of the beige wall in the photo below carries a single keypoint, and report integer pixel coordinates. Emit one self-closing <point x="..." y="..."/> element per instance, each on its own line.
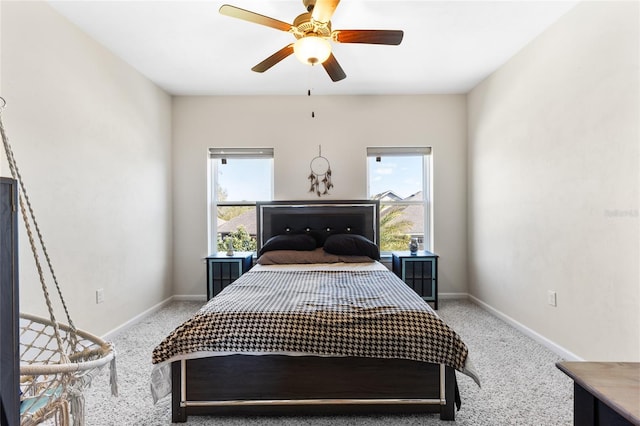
<point x="92" y="139"/>
<point x="554" y="184"/>
<point x="344" y="126"/>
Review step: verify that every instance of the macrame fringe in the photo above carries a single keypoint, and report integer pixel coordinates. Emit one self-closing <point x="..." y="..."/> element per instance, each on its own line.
<point x="76" y="399"/>
<point x="113" y="377"/>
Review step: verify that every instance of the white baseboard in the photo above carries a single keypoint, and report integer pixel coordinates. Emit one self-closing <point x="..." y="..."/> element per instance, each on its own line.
<point x="190" y="297"/>
<point x="464" y="296"/>
<point x="552" y="346"/>
<point x="133" y="321"/>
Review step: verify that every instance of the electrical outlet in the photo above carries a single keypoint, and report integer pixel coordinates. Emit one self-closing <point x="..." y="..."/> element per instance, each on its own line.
<point x="551" y="298"/>
<point x="99" y="295"/>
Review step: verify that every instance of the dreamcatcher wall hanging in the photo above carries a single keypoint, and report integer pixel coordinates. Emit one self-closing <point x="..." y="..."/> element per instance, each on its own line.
<point x="320" y="176"/>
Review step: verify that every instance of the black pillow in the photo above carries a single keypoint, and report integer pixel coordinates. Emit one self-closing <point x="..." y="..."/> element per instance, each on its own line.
<point x="351" y="245"/>
<point x="289" y="242"/>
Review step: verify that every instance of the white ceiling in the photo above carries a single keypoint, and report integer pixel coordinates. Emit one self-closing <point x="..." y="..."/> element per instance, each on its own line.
<point x="188" y="48"/>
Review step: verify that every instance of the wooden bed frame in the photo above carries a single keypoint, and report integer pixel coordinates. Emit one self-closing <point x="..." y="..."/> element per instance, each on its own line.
<point x="287" y="385"/>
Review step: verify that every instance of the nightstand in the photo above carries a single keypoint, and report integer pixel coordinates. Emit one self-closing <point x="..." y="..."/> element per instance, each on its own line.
<point x="222" y="270"/>
<point x="419" y="271"/>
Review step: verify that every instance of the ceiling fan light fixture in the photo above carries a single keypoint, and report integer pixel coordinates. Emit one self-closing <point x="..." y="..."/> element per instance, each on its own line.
<point x="312" y="49"/>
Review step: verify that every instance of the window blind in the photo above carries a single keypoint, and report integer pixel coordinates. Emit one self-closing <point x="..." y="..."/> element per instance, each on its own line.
<point x="240" y="152"/>
<point x="390" y="151"/>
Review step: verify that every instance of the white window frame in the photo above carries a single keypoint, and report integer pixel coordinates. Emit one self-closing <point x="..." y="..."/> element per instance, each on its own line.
<point x="212" y="182"/>
<point x="427" y="184"/>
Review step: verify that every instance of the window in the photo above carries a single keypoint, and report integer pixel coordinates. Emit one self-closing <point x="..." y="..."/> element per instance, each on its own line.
<point x="401" y="179"/>
<point x="238" y="177"/>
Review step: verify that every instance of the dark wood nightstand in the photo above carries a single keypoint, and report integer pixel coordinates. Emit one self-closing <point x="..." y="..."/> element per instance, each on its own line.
<point x="419" y="271"/>
<point x="222" y="270"/>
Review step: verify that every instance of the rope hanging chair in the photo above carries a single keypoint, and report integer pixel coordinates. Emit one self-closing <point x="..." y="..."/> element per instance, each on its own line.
<point x="57" y="361"/>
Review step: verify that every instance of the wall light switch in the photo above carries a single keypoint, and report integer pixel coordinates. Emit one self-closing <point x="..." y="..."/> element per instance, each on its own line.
<point x="551" y="298"/>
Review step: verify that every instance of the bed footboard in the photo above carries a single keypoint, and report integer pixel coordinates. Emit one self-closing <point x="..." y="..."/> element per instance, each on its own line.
<point x="282" y="385"/>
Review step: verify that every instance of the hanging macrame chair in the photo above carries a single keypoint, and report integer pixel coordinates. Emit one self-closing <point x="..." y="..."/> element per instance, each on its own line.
<point x="57" y="361"/>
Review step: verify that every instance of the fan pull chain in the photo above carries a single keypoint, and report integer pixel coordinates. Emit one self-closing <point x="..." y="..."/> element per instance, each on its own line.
<point x="313" y="114"/>
<point x="309" y="78"/>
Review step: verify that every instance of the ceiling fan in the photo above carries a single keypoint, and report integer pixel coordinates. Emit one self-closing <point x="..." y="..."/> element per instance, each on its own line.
<point x="313" y="32"/>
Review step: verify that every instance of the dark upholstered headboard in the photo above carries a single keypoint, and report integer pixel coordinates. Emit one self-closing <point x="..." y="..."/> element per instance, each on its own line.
<point x="321" y="218"/>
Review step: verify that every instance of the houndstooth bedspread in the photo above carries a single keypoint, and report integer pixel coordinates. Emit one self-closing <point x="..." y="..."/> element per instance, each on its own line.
<point x="324" y="313"/>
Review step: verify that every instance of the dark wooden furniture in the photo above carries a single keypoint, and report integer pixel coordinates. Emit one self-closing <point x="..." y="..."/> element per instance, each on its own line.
<point x="222" y="270"/>
<point x="276" y="384"/>
<point x="281" y="385"/>
<point x="419" y="271"/>
<point x="605" y="393"/>
<point x="320" y="218"/>
<point x="9" y="307"/>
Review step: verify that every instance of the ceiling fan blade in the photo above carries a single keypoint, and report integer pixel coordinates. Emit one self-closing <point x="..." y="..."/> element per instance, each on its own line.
<point x="274" y="59"/>
<point x="323" y="10"/>
<point x="392" y="37"/>
<point x="334" y="69"/>
<point x="246" y="15"/>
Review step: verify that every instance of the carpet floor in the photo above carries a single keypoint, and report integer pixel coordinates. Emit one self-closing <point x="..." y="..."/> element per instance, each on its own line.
<point x="520" y="383"/>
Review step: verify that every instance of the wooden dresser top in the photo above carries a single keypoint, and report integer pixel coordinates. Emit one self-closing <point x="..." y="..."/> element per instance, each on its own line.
<point x="617" y="384"/>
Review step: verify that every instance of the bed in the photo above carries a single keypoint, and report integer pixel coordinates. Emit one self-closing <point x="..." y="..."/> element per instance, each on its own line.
<point x="319" y="326"/>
